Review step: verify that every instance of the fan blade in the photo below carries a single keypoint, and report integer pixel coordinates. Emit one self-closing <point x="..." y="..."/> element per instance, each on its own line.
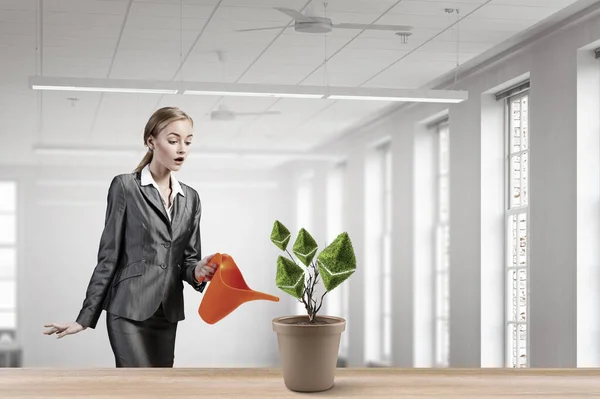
<point x="258" y="113"/>
<point x="256" y="29"/>
<point x="373" y="27"/>
<point x="297" y="15"/>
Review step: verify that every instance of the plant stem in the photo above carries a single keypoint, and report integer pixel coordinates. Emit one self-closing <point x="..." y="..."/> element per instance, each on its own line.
<point x="310" y="304"/>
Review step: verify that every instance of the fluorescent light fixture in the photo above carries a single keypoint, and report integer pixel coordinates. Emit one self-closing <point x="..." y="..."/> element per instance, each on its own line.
<point x="105" y="89"/>
<point x="102" y="85"/>
<point x="250" y="94"/>
<point x="407" y="99"/>
<point x="247" y="90"/>
<point x="252" y="90"/>
<point x="406" y="95"/>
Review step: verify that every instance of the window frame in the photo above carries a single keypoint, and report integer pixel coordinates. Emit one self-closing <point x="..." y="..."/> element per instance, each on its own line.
<point x="509" y="212"/>
<point x="438" y="254"/>
<point x="12" y="331"/>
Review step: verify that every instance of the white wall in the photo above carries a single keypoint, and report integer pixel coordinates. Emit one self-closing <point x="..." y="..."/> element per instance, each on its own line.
<point x="551" y="62"/>
<point x="59" y="243"/>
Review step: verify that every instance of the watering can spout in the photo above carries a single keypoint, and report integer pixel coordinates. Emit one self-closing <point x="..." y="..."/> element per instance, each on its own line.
<point x="227" y="291"/>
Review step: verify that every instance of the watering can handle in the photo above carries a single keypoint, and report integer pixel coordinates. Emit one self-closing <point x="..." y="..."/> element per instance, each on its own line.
<point x="202" y="282"/>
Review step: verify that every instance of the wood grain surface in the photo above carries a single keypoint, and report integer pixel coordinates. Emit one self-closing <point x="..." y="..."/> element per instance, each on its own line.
<point x="268" y="383"/>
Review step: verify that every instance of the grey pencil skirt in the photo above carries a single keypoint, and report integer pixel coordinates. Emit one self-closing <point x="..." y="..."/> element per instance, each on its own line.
<point x="148" y="343"/>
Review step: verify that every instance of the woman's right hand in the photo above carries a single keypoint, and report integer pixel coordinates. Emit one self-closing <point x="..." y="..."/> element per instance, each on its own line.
<point x="63" y="329"/>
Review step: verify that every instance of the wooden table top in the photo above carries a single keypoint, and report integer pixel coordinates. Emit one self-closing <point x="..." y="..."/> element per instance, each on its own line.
<point x="268" y="383"/>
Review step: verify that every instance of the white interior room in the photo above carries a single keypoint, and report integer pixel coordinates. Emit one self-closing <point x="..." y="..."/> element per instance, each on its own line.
<point x="475" y="223"/>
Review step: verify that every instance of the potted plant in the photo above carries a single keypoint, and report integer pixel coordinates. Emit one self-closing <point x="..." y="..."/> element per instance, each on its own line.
<point x="309" y="344"/>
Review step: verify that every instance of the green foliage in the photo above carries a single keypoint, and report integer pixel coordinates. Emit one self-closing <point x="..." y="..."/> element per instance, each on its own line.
<point x="280" y="235"/>
<point x="337" y="262"/>
<point x="305" y="247"/>
<point x="290" y="277"/>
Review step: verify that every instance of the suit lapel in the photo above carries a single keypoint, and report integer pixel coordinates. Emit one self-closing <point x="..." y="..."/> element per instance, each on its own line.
<point x="153" y="197"/>
<point x="178" y="210"/>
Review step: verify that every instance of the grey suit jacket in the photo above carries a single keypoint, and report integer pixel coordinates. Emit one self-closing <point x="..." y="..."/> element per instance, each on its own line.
<point x="143" y="258"/>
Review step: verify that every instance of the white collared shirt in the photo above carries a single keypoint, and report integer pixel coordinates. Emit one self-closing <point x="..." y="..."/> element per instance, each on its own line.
<point x="175" y="188"/>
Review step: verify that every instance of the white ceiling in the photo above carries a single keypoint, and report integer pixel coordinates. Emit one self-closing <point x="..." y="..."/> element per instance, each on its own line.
<point x="144" y="39"/>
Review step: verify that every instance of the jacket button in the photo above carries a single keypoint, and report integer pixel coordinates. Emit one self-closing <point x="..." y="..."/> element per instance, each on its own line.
<point x="167" y="244"/>
<point x="164" y="266"/>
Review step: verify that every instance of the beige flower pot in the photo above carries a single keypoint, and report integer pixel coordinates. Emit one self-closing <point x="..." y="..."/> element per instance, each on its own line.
<point x="308" y="352"/>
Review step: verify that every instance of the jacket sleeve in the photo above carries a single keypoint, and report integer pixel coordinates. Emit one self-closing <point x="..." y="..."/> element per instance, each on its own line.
<point x="108" y="254"/>
<point x="193" y="251"/>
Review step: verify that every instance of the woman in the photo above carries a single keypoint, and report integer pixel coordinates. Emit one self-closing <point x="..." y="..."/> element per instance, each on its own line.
<point x="150" y="244"/>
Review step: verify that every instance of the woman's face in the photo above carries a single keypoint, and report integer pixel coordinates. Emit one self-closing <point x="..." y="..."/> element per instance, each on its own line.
<point x="172" y="145"/>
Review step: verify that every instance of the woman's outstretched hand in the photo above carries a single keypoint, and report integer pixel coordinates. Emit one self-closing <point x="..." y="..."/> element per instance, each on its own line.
<point x="204" y="270"/>
<point x="63" y="329"/>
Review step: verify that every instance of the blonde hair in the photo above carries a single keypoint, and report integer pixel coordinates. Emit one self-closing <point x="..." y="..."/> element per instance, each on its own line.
<point x="157" y="122"/>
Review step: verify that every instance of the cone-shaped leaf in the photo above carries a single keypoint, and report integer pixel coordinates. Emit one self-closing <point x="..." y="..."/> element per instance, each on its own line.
<point x="337" y="262"/>
<point x="305" y="247"/>
<point x="290" y="277"/>
<point x="280" y="235"/>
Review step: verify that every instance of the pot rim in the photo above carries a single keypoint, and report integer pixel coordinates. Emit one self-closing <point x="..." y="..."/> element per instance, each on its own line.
<point x="335" y="321"/>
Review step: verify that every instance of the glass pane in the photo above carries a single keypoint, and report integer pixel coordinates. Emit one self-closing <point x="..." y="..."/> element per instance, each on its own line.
<point x="8" y="231"/>
<point x="387" y="337"/>
<point x="334" y="302"/>
<point x="511" y="295"/>
<point x="522" y="344"/>
<point x="387" y="302"/>
<point x="8" y="295"/>
<point x="522" y="239"/>
<point x="344" y="314"/>
<point x="511" y="240"/>
<point x="442" y="343"/>
<point x="8" y="262"/>
<point x="515" y="180"/>
<point x="387" y="254"/>
<point x="511" y="346"/>
<point x="515" y="124"/>
<point x="388" y="169"/>
<point x="8" y="320"/>
<point x="388" y="212"/>
<point x="444" y="199"/>
<point x="441" y="294"/>
<point x="444" y="150"/>
<point x="524" y="122"/>
<point x="522" y="296"/>
<point x="525" y="174"/>
<point x="516" y="309"/>
<point x="8" y="196"/>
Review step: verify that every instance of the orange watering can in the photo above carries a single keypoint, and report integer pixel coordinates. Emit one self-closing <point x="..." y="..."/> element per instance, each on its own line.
<point x="226" y="291"/>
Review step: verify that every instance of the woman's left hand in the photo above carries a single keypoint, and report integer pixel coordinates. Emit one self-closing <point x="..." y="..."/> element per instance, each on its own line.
<point x="204" y="270"/>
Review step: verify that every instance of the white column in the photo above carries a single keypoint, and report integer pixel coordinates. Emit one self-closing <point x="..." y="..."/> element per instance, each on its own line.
<point x="354" y="219"/>
<point x="465" y="233"/>
<point x="553" y="205"/>
<point x="402" y="249"/>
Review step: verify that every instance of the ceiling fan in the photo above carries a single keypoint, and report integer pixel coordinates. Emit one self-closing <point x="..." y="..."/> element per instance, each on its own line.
<point x="223" y="113"/>
<point x="313" y="24"/>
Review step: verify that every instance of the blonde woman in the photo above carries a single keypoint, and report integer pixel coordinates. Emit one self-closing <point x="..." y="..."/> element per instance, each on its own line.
<point x="150" y="244"/>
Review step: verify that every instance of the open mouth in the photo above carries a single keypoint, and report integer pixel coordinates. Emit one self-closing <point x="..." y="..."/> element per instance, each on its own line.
<point x="179" y="159"/>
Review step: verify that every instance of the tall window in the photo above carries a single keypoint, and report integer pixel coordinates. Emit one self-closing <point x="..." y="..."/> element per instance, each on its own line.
<point x="8" y="260"/>
<point x="378" y="221"/>
<point x="442" y="255"/>
<point x="517" y="227"/>
<point x="337" y="300"/>
<point x="304" y="218"/>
